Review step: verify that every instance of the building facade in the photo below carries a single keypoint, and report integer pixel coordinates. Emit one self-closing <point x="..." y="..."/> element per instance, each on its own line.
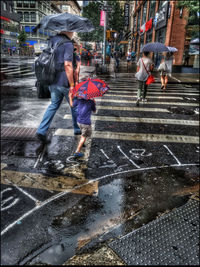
<point x="10" y="27"/>
<point x="159" y="21"/>
<point x="31" y="12"/>
<point x="71" y="7"/>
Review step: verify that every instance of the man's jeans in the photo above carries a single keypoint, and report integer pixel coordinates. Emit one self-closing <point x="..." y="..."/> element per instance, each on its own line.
<point x="57" y="94"/>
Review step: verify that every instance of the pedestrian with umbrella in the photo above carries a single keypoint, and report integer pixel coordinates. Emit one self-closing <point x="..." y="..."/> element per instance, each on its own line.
<point x="144" y="67"/>
<point x="84" y="101"/>
<point x="64" y="24"/>
<point x="165" y="68"/>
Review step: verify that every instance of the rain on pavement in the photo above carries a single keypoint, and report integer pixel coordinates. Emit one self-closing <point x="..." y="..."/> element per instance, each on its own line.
<point x="140" y="163"/>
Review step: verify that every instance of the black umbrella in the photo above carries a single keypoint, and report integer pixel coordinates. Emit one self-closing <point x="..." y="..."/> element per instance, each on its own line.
<point x="154" y="47"/>
<point x="65" y="22"/>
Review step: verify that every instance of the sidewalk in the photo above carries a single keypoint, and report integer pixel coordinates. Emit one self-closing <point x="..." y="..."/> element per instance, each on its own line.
<point x="172" y="239"/>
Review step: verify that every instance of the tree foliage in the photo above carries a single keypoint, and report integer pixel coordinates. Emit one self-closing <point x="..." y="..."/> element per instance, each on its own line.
<point x="92" y="12"/>
<point x="193" y="16"/>
<point x="22" y="37"/>
<point x="116" y="20"/>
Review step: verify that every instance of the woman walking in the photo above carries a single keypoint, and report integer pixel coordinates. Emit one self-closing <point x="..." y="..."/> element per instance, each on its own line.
<point x="144" y="67"/>
<point x="166" y="69"/>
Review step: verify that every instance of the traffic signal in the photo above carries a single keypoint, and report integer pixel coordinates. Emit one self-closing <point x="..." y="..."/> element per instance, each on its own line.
<point x="108" y="34"/>
<point x="112" y="34"/>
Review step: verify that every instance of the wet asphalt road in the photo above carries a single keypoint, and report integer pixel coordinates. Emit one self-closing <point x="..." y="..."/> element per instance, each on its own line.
<point x="141" y="162"/>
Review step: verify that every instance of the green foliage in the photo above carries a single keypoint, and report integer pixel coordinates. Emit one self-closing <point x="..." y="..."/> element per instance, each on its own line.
<point x="92" y="12"/>
<point x="22" y="37"/>
<point x="192" y="19"/>
<point x="114" y="20"/>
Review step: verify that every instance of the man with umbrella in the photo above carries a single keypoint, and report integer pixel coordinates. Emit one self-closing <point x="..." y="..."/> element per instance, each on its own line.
<point x="65" y="25"/>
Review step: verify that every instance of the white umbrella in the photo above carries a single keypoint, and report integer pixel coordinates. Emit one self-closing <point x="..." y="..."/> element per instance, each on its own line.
<point x="195" y="41"/>
<point x="172" y="49"/>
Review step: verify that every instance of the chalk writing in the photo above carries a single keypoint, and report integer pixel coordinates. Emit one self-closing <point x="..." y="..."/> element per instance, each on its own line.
<point x="137" y="153"/>
<point x="8" y="202"/>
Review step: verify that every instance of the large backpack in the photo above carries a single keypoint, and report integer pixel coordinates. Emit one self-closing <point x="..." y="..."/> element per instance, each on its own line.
<point x="45" y="70"/>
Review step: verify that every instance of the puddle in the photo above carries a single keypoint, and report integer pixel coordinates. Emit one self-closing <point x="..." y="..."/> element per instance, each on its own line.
<point x="120" y="206"/>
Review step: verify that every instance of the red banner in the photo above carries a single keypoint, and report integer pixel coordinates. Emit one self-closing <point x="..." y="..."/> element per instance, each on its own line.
<point x="4" y="18"/>
<point x="102" y="18"/>
<point x="2" y="31"/>
<point x="148" y="25"/>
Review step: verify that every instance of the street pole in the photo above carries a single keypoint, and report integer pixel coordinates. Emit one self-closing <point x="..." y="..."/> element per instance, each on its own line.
<point x="104" y="37"/>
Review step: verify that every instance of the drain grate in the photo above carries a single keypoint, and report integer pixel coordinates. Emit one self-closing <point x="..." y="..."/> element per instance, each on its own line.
<point x="171" y="239"/>
<point x="18" y="133"/>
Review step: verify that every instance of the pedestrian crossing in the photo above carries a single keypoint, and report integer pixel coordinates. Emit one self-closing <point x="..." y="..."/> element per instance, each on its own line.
<point x="122" y="98"/>
<point x="18" y="71"/>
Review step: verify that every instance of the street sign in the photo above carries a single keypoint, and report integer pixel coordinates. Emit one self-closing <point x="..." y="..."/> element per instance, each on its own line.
<point x="106" y="8"/>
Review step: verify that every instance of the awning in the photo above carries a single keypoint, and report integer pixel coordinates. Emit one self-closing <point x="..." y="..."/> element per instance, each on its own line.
<point x="123" y="42"/>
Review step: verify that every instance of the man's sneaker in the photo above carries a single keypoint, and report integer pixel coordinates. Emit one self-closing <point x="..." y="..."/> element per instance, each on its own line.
<point x="78" y="154"/>
<point x="144" y="100"/>
<point x="43" y="138"/>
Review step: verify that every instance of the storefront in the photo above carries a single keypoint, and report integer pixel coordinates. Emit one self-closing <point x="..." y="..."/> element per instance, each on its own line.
<point x="9" y="35"/>
<point x="160" y="21"/>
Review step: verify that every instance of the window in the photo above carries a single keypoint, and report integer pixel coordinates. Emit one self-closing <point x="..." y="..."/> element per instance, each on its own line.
<point x="138" y="22"/>
<point x="11" y="9"/>
<point x="27" y="29"/>
<point x="134" y="24"/>
<point x="32" y="4"/>
<point x="26" y="16"/>
<point x="19" y="3"/>
<point x="4" y="6"/>
<point x="33" y="17"/>
<point x="26" y="3"/>
<point x="39" y="5"/>
<point x="149" y="38"/>
<point x="144" y="13"/>
<point x="21" y="15"/>
<point x="152" y="8"/>
<point x="141" y="41"/>
<point x="161" y="4"/>
<point x="160" y="35"/>
<point x="33" y="27"/>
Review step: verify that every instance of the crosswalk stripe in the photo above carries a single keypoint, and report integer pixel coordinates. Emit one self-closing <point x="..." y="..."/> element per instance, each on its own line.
<point x="135" y="136"/>
<point x="19" y="72"/>
<point x="150" y="93"/>
<point x="140" y="120"/>
<point x="133" y="108"/>
<point x="159" y="97"/>
<point x="149" y="102"/>
<point x="9" y="68"/>
<point x="16" y="70"/>
<point x="154" y="90"/>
